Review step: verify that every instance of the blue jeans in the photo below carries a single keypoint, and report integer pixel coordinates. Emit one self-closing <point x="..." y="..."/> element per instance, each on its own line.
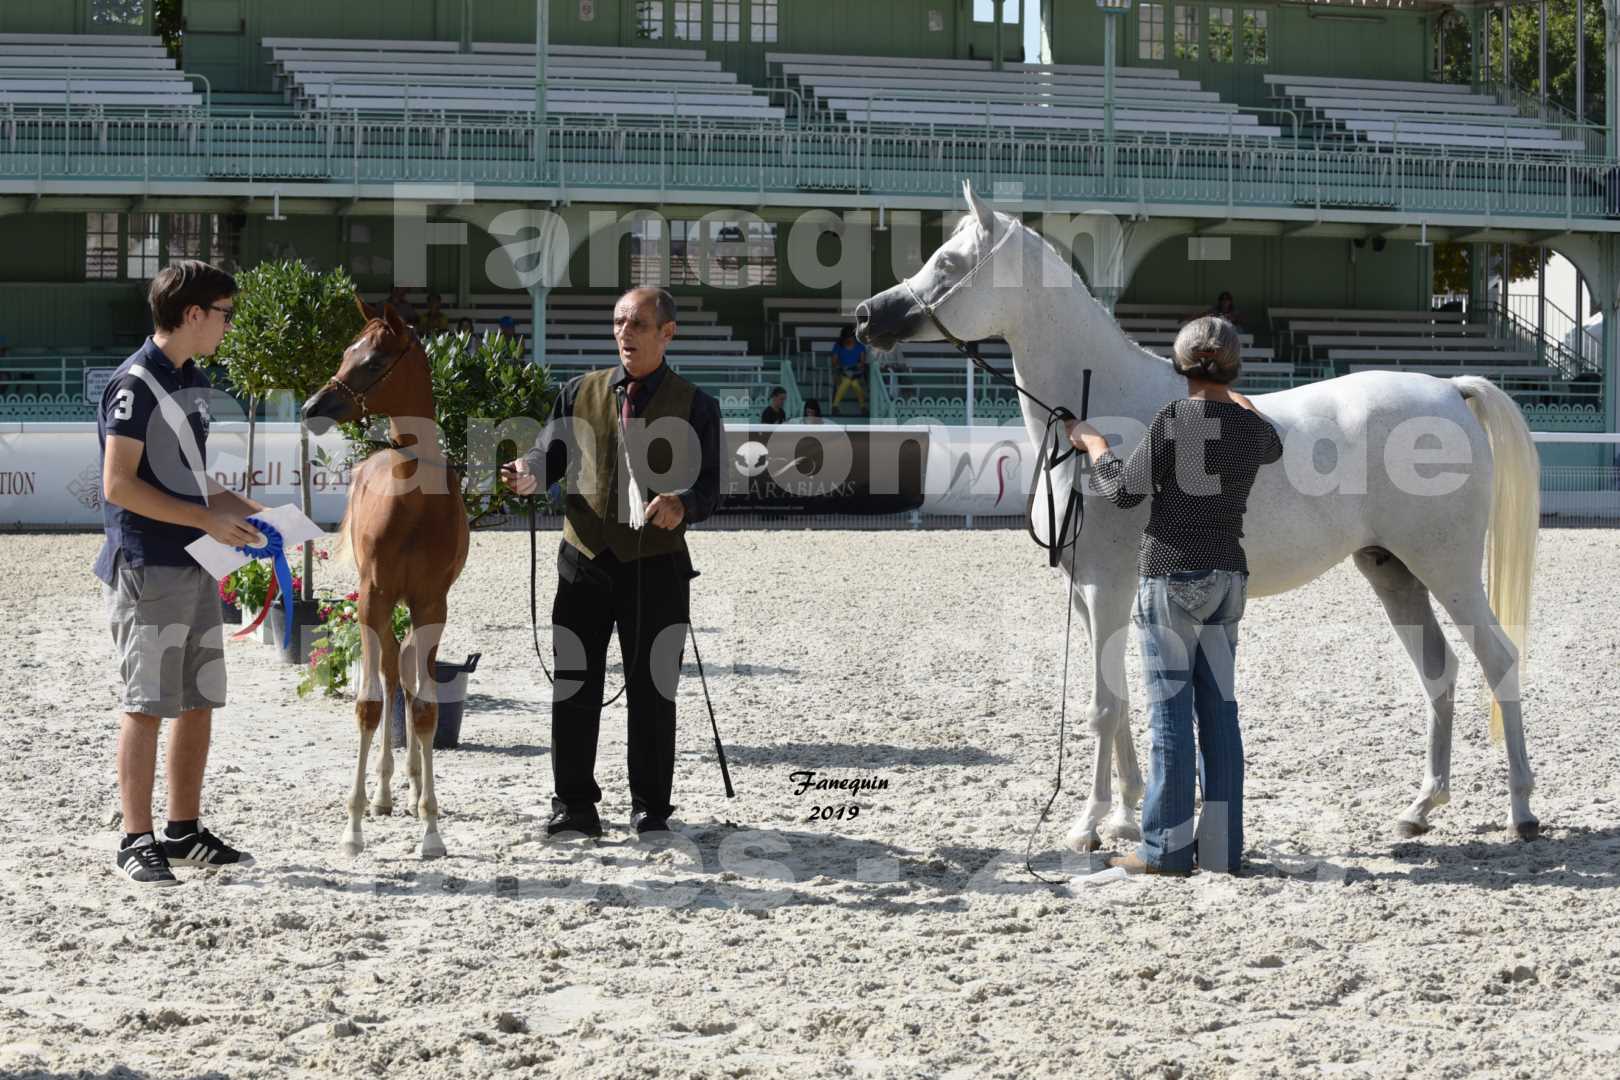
<point x="1187" y="626"/>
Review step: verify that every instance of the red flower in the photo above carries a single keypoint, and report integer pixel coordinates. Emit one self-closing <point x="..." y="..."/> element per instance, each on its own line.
<point x="352" y="596"/>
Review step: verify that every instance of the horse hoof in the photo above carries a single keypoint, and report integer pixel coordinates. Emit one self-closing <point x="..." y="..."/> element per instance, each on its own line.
<point x="380" y="809"/>
<point x="1528" y="830"/>
<point x="431" y="847"/>
<point x="352" y="846"/>
<point x="1083" y="840"/>
<point x="1121" y="831"/>
<point x="1408" y="828"/>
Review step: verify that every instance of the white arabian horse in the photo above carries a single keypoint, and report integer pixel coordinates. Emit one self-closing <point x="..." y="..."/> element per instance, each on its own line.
<point x="1412" y="533"/>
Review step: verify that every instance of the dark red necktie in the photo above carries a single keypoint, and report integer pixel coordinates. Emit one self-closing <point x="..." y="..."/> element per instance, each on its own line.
<point x="626" y="409"/>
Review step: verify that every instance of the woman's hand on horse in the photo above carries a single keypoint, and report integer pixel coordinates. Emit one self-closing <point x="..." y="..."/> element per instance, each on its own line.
<point x="1087" y="439"/>
<point x="666" y="511"/>
<point x="232" y="530"/>
<point x="519" y="478"/>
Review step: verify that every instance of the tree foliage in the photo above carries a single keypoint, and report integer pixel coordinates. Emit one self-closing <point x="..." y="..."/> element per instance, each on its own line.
<point x="1451" y="265"/>
<point x="1524" y="49"/>
<point x="168" y="23"/>
<point x="291" y="327"/>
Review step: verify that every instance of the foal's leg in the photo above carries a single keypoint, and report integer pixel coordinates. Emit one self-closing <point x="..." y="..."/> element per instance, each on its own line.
<point x="388" y="649"/>
<point x="1406" y="601"/>
<point x="427" y="625"/>
<point x="368" y="711"/>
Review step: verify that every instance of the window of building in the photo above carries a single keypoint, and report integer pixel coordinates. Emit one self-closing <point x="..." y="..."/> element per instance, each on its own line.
<point x="1186" y="32"/>
<point x="646" y="253"/>
<point x="143" y="255"/>
<point x="715" y="253"/>
<point x="650" y="20"/>
<point x="1149" y="32"/>
<point x="689" y="20"/>
<point x="101" y="247"/>
<point x="1254" y="37"/>
<point x="727" y="20"/>
<point x="225" y="241"/>
<point x="118" y="14"/>
<point x="187" y="238"/>
<point x="1220" y="35"/>
<point x="984" y="11"/>
<point x="762" y="21"/>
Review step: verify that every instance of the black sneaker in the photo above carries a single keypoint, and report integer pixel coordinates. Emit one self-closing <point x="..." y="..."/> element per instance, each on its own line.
<point x="567" y="823"/>
<point x="144" y="863"/>
<point x="202" y="848"/>
<point x="645" y="823"/>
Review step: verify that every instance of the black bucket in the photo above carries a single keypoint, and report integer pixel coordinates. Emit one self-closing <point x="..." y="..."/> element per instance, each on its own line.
<point x="306" y="628"/>
<point x="452" y="680"/>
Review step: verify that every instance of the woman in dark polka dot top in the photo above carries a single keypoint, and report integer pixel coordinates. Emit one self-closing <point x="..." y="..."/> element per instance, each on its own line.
<point x="1198" y="461"/>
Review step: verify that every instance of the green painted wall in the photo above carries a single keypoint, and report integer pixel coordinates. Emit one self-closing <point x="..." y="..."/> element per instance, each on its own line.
<point x="1266" y="272"/>
<point x="42" y="16"/>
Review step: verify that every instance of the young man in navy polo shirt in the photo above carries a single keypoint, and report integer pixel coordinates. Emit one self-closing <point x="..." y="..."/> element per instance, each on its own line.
<point x="163" y="607"/>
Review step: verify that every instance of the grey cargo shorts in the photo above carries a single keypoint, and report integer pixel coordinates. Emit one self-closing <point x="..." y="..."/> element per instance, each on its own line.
<point x="169" y="638"/>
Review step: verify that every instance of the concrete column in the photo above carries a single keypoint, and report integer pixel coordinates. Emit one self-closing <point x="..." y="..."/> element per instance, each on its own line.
<point x="537" y="326"/>
<point x="1507" y="53"/>
<point x="1611" y="77"/>
<point x="1580" y="60"/>
<point x="1609" y="296"/>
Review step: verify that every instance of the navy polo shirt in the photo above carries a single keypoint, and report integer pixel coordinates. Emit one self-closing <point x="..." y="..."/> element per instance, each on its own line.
<point x="130" y="409"/>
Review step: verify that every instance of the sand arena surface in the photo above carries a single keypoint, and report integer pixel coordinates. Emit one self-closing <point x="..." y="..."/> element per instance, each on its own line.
<point x="907" y="942"/>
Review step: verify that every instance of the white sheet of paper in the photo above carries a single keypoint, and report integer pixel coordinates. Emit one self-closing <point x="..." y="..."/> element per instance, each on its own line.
<point x="220" y="560"/>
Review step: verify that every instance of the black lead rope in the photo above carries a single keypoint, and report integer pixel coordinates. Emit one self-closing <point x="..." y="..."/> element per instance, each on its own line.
<point x="1053" y="453"/>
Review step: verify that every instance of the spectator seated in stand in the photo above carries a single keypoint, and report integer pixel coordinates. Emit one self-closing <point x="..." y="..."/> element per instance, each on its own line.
<point x="775" y="412"/>
<point x="812" y="411"/>
<point x="434" y="321"/>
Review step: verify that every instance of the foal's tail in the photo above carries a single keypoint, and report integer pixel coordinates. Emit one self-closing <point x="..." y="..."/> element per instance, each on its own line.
<point x="1510" y="551"/>
<point x="344" y="550"/>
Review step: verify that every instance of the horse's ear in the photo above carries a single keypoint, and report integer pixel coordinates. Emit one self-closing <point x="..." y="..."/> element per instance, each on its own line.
<point x="391" y="317"/>
<point x="367" y="312"/>
<point x="986" y="216"/>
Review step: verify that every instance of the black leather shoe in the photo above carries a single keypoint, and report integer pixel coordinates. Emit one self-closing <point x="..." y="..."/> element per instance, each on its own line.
<point x="644" y="823"/>
<point x="567" y="823"/>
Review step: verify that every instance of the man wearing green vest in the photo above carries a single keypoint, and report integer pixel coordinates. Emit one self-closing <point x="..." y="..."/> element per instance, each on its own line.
<point x="640" y="447"/>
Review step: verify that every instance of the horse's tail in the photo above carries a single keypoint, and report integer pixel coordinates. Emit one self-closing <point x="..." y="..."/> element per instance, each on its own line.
<point x="1510" y="550"/>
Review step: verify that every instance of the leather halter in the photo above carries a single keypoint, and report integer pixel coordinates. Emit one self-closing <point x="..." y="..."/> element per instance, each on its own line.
<point x="359" y="396"/>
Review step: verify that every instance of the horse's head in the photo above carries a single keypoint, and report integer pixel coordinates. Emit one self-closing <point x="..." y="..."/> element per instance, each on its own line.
<point x="952" y="296"/>
<point x="381" y="374"/>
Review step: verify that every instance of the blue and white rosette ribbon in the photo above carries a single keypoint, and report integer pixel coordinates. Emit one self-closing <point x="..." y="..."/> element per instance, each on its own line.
<point x="274" y="550"/>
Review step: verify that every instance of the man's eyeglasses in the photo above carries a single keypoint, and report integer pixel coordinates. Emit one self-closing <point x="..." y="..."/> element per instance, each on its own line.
<point x="228" y="312"/>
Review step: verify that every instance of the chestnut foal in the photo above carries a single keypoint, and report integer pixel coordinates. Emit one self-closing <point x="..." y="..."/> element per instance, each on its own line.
<point x="406" y="526"/>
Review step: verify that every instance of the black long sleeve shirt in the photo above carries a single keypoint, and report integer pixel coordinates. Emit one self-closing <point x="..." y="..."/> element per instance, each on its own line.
<point x="699" y="500"/>
<point x="1198" y="461"/>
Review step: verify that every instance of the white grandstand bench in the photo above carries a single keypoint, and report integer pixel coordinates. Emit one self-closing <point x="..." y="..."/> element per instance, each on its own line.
<point x="1370" y="329"/>
<point x="1122" y="111"/>
<point x="718" y="346"/>
<point x="970" y="118"/>
<point x="1431" y="356"/>
<point x="1474" y="142"/>
<point x="1368" y="315"/>
<point x="183" y="98"/>
<point x="1025" y="89"/>
<point x="379" y="45"/>
<point x="1502" y="371"/>
<point x="1376" y="341"/>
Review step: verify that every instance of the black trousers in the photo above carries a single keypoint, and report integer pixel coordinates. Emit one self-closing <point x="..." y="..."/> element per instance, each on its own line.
<point x="594" y="596"/>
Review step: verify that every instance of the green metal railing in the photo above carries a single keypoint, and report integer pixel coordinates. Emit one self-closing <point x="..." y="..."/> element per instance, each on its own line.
<point x="762" y="161"/>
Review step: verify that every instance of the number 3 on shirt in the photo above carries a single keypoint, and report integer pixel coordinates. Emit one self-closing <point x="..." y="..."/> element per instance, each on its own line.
<point x="124" y="405"/>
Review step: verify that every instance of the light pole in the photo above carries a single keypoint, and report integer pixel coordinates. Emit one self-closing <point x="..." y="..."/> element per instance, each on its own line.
<point x="1111" y="10"/>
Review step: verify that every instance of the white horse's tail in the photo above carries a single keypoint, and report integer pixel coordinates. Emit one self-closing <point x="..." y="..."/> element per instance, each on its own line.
<point x="1510" y="549"/>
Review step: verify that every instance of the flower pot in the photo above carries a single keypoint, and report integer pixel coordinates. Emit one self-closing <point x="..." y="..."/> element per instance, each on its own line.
<point x="306" y="628"/>
<point x="230" y="614"/>
<point x="452" y="697"/>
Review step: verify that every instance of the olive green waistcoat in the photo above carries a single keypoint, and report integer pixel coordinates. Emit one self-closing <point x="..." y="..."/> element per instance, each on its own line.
<point x="593" y="506"/>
